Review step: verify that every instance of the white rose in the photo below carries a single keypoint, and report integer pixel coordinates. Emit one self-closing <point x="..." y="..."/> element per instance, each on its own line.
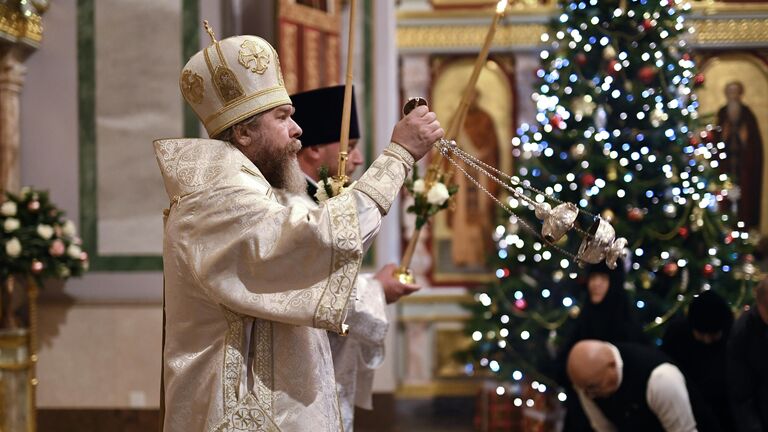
<point x="8" y="208"/>
<point x="320" y="194"/>
<point x="74" y="251"/>
<point x="438" y="194"/>
<point x="68" y="229"/>
<point x="26" y="190"/>
<point x="11" y="224"/>
<point x="418" y="186"/>
<point x="13" y="247"/>
<point x="45" y="231"/>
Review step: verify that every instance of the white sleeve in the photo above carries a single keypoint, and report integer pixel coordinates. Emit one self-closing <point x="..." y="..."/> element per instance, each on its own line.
<point x="667" y="397"/>
<point x="597" y="420"/>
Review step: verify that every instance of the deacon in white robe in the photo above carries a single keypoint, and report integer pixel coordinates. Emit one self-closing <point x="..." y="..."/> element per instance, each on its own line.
<point x="357" y="355"/>
<point x="252" y="286"/>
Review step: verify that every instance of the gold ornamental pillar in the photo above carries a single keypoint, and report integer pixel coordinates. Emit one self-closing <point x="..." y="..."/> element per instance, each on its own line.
<point x="11" y="81"/>
<point x="20" y="35"/>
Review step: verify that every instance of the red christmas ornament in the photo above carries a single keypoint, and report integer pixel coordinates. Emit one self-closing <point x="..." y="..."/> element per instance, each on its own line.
<point x="647" y="24"/>
<point x="612" y="67"/>
<point x="698" y="79"/>
<point x="683" y="231"/>
<point x="581" y="59"/>
<point x="728" y="239"/>
<point x="695" y="140"/>
<point x="646" y="74"/>
<point x="556" y="120"/>
<point x="635" y="214"/>
<point x="708" y="270"/>
<point x="670" y="269"/>
<point x="521" y="304"/>
<point x="587" y="180"/>
<point x="686" y="56"/>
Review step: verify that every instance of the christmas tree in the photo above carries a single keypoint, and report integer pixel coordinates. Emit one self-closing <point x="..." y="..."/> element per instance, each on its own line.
<point x="617" y="134"/>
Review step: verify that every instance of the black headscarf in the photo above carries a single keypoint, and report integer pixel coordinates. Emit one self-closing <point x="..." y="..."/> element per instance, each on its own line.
<point x="611" y="320"/>
<point x="709" y="313"/>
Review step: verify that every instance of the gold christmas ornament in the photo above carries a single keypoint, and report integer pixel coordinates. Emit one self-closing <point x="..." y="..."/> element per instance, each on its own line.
<point x="609" y="52"/>
<point x="645" y="280"/>
<point x="574" y="312"/>
<point x="608" y="215"/>
<point x="578" y="151"/>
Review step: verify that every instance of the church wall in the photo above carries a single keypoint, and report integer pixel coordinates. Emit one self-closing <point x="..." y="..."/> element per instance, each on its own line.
<point x="99" y="335"/>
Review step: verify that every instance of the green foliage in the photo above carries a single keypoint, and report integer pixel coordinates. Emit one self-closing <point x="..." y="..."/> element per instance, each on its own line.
<point x="37" y="240"/>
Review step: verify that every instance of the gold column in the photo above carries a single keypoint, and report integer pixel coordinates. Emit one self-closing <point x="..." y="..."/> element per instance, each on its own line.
<point x="20" y="35"/>
<point x="12" y="73"/>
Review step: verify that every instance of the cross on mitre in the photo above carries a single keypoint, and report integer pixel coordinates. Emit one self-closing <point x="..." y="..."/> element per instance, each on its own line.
<point x="253" y="52"/>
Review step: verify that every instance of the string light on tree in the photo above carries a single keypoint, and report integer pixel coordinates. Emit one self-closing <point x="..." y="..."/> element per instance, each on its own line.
<point x="616" y="132"/>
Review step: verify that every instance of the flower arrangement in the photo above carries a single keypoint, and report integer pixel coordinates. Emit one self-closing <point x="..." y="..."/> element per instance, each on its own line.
<point x="428" y="199"/>
<point x="324" y="187"/>
<point x="36" y="240"/>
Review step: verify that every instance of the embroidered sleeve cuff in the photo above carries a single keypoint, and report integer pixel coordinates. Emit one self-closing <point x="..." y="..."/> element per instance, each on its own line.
<point x="398" y="151"/>
<point x="383" y="180"/>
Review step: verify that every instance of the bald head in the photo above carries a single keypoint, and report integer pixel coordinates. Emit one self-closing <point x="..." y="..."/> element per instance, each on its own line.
<point x="592" y="368"/>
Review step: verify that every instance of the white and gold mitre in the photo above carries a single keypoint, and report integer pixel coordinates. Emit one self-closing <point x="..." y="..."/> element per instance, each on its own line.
<point x="231" y="80"/>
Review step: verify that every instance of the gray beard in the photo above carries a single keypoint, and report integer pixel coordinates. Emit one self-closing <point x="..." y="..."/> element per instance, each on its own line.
<point x="282" y="169"/>
<point x="293" y="180"/>
<point x="284" y="174"/>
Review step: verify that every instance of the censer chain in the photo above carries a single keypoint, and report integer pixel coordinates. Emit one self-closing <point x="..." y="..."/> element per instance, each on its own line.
<point x="478" y="165"/>
<point x="525" y="224"/>
<point x="516" y="182"/>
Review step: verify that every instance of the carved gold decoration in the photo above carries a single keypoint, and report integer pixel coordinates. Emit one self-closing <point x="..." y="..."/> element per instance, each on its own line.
<point x="16" y="26"/>
<point x="300" y="14"/>
<point x="730" y="31"/>
<point x="332" y="66"/>
<point x="192" y="86"/>
<point x="430" y="29"/>
<point x="311" y="67"/>
<point x="288" y="44"/>
<point x="252" y="52"/>
<point x="467" y="36"/>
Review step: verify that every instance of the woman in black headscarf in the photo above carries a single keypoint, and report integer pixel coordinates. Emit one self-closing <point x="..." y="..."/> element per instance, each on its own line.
<point x="607" y="316"/>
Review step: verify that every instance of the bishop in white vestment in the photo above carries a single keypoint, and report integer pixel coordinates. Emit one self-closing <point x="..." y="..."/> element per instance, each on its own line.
<point x="251" y="285"/>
